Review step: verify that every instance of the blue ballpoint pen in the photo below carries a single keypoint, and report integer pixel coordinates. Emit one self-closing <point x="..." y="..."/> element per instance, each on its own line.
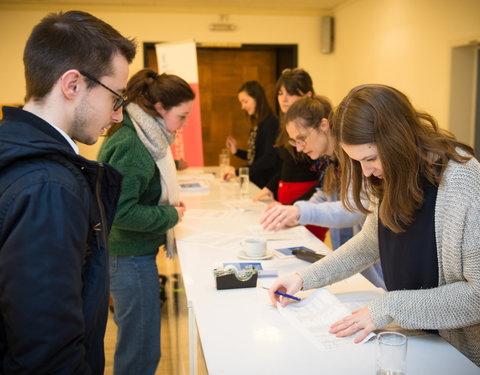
<point x="288" y="296"/>
<point x="285" y="295"/>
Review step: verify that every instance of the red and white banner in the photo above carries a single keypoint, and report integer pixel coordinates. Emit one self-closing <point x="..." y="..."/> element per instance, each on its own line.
<point x="180" y="58"/>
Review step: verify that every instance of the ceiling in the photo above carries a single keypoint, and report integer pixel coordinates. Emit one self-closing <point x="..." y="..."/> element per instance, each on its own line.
<point x="290" y="7"/>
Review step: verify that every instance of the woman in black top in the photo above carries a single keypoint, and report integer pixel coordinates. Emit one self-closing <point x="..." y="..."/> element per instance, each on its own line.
<point x="297" y="175"/>
<point x="261" y="157"/>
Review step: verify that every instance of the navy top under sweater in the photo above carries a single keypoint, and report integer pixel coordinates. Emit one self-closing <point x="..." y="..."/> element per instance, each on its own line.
<point x="409" y="259"/>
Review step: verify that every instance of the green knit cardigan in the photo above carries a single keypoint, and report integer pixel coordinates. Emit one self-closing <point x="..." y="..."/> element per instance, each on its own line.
<point x="140" y="223"/>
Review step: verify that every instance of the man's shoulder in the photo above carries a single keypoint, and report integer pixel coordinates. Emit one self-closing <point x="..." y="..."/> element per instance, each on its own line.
<point x="40" y="172"/>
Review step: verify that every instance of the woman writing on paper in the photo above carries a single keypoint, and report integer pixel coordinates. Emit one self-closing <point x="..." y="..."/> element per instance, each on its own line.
<point x="309" y="130"/>
<point x="261" y="157"/>
<point x="422" y="222"/>
<point x="148" y="209"/>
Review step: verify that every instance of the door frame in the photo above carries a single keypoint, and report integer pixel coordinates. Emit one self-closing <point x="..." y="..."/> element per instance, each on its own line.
<point x="287" y="54"/>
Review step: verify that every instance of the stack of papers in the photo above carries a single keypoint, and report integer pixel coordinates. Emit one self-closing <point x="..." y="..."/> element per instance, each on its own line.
<point x="191" y="187"/>
<point x="314" y="315"/>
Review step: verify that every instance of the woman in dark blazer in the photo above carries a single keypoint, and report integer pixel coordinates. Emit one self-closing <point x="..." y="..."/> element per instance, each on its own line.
<point x="261" y="156"/>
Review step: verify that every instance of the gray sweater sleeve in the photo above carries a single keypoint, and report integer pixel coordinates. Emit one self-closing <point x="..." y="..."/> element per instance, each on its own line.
<point x="355" y="255"/>
<point x="327" y="212"/>
<point x="454" y="306"/>
<point x="456" y="301"/>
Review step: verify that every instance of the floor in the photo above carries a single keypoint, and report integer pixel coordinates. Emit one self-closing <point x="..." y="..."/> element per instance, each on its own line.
<point x="174" y="339"/>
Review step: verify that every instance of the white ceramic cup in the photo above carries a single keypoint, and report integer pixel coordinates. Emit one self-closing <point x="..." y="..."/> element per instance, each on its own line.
<point x="391" y="353"/>
<point x="254" y="247"/>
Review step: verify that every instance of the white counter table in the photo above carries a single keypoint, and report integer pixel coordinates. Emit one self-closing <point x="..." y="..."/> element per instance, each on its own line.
<point x="242" y="333"/>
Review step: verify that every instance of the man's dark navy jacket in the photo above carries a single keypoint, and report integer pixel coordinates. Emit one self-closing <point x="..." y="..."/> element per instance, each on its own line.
<point x="56" y="209"/>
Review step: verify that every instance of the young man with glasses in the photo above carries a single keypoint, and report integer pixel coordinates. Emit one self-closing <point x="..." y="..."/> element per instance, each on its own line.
<point x="56" y="207"/>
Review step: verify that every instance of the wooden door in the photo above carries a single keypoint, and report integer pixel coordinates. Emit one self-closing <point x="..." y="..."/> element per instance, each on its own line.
<point x="221" y="73"/>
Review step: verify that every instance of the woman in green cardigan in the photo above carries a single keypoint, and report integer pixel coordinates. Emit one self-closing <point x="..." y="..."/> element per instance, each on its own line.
<point x="148" y="209"/>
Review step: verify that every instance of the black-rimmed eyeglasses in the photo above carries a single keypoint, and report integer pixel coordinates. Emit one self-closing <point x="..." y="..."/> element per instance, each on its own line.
<point x="120" y="99"/>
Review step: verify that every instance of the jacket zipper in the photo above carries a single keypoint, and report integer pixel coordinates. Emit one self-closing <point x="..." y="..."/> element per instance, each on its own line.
<point x="101" y="209"/>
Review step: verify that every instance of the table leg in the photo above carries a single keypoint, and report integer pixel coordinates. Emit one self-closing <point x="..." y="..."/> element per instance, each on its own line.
<point x="192" y="330"/>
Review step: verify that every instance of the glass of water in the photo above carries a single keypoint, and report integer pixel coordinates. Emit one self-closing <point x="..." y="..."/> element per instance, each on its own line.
<point x="243" y="175"/>
<point x="391" y="353"/>
<point x="224" y="161"/>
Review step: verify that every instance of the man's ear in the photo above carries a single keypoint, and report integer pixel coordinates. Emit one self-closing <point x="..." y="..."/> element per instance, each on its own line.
<point x="70" y="83"/>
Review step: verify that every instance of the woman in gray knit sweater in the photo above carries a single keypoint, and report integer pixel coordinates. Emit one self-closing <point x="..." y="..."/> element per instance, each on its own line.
<point x="423" y="221"/>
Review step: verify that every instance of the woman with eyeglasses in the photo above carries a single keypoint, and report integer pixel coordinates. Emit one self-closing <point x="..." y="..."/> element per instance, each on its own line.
<point x="297" y="174"/>
<point x="261" y="156"/>
<point x="148" y="209"/>
<point x="422" y="187"/>
<point x="307" y="125"/>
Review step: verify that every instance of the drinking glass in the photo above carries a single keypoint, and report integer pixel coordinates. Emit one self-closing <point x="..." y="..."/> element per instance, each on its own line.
<point x="391" y="353"/>
<point x="243" y="174"/>
<point x="224" y="161"/>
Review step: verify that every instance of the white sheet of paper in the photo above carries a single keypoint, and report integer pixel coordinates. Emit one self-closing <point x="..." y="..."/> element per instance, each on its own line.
<point x="209" y="214"/>
<point x="245" y="205"/>
<point x="217" y="239"/>
<point x="195" y="176"/>
<point x="292" y="233"/>
<point x="314" y="315"/>
<point x="357" y="300"/>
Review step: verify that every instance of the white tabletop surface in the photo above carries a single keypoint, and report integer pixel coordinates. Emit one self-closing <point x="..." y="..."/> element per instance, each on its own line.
<point x="242" y="333"/>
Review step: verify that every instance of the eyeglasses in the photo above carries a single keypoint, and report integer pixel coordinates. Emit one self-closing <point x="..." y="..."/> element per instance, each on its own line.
<point x="120" y="99"/>
<point x="301" y="141"/>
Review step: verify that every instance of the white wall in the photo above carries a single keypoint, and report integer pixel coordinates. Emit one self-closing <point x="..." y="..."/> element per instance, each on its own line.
<point x="16" y="25"/>
<point x="403" y="43"/>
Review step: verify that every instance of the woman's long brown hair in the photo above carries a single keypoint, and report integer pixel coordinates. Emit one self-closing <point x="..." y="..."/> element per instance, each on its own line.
<point x="262" y="108"/>
<point x="410" y="145"/>
<point x="296" y="82"/>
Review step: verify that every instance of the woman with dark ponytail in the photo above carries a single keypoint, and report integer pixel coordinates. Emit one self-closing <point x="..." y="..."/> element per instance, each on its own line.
<point x="148" y="209"/>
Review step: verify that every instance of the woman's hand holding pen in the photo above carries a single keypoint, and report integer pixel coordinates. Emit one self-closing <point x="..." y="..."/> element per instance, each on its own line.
<point x="360" y="320"/>
<point x="279" y="216"/>
<point x="180" y="211"/>
<point x="287" y="284"/>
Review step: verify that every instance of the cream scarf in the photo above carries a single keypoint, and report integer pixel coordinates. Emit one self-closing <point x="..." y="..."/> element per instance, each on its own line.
<point x="157" y="140"/>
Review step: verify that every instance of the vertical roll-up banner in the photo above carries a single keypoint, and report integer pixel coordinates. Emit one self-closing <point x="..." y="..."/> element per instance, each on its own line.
<point x="180" y="58"/>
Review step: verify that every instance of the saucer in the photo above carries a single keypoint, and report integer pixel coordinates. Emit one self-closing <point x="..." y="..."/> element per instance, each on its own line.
<point x="241" y="254"/>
